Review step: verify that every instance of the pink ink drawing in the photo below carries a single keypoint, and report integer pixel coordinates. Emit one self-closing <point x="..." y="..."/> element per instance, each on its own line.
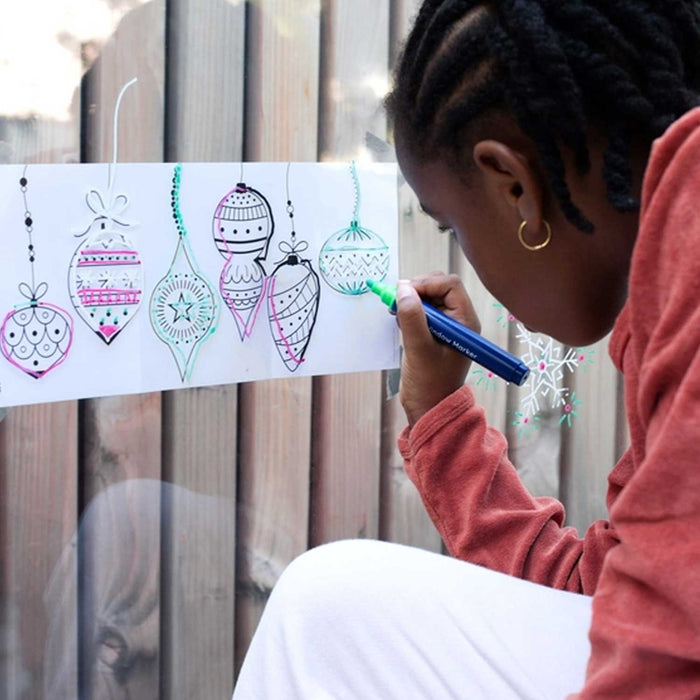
<point x="242" y="227"/>
<point x="105" y="277"/>
<point x="36" y="336"/>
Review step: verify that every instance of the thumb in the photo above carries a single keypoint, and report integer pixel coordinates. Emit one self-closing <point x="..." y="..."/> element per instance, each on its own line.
<point x="411" y="318"/>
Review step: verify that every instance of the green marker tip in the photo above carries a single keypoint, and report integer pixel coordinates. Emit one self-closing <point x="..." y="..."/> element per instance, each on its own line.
<point x="386" y="292"/>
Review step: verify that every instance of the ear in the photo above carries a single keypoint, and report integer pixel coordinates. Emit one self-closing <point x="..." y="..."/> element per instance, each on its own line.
<point x="510" y="176"/>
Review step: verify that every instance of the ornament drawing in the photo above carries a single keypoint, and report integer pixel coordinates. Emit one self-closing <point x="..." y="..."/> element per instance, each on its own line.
<point x="293" y="297"/>
<point x="354" y="254"/>
<point x="242" y="226"/>
<point x="36" y="336"/>
<point x="105" y="277"/>
<point x="183" y="308"/>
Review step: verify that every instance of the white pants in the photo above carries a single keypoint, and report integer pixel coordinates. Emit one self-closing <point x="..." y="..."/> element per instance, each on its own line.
<point x="359" y="620"/>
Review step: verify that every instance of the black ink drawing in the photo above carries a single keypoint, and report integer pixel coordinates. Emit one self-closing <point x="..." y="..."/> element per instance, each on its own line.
<point x="355" y="254"/>
<point x="105" y="277"/>
<point x="184" y="311"/>
<point x="242" y="226"/>
<point x="292" y="298"/>
<point x="36" y="336"/>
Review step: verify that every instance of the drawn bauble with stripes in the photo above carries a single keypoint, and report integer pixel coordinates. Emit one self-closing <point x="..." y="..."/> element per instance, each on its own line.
<point x="355" y="254"/>
<point x="292" y="303"/>
<point x="243" y="225"/>
<point x="105" y="277"/>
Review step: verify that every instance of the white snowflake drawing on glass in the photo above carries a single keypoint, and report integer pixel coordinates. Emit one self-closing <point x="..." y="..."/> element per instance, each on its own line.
<point x="546" y="388"/>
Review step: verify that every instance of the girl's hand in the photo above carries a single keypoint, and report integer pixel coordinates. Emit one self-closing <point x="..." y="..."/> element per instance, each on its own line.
<point x="430" y="371"/>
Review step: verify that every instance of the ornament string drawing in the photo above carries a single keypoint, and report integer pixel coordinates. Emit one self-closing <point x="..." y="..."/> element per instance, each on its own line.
<point x="36" y="336"/>
<point x="242" y="227"/>
<point x="183" y="308"/>
<point x="292" y="298"/>
<point x="354" y="254"/>
<point x="105" y="277"/>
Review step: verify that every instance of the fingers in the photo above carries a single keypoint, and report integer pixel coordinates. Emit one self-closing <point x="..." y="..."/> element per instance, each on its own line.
<point x="411" y="318"/>
<point x="430" y="370"/>
<point x="447" y="293"/>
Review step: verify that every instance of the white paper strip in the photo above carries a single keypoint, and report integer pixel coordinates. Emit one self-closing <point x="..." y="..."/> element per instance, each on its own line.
<point x="191" y="275"/>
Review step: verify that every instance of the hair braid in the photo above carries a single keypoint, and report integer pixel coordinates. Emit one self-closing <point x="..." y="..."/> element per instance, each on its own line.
<point x="529" y="102"/>
<point x="524" y="21"/>
<point x="624" y="67"/>
<point x="444" y="17"/>
<point x="449" y="69"/>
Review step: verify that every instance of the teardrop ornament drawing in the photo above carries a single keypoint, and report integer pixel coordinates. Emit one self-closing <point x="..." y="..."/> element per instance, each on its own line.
<point x="183" y="307"/>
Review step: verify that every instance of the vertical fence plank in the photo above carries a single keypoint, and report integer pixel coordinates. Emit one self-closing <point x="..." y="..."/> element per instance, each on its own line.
<point x="283" y="38"/>
<point x="347" y="408"/>
<point x="206" y="42"/>
<point x="490" y="392"/>
<point x="38" y="444"/>
<point x="121" y="436"/>
<point x="403" y="517"/>
<point x="591" y="445"/>
<point x="39" y="479"/>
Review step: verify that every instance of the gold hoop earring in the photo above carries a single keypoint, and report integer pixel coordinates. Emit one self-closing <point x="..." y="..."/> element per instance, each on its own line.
<point x="539" y="246"/>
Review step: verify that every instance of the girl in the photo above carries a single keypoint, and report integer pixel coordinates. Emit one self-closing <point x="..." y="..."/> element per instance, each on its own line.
<point x="559" y="141"/>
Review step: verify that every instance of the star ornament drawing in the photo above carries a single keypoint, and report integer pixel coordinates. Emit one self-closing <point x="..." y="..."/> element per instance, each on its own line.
<point x="183" y="309"/>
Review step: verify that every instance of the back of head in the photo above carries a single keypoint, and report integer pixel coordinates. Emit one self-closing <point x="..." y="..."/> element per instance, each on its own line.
<point x="625" y="69"/>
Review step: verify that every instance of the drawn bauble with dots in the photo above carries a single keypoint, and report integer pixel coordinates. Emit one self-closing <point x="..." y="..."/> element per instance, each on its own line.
<point x="355" y="254"/>
<point x="183" y="307"/>
<point x="243" y="223"/>
<point x="352" y="256"/>
<point x="242" y="286"/>
<point x="106" y="282"/>
<point x="292" y="301"/>
<point x="242" y="226"/>
<point x="36" y="336"/>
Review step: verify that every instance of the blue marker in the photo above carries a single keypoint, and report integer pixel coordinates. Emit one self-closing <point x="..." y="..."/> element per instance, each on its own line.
<point x="463" y="339"/>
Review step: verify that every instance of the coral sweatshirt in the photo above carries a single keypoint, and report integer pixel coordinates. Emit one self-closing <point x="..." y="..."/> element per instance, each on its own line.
<point x="643" y="566"/>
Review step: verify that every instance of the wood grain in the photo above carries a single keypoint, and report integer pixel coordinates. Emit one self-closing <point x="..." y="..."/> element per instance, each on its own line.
<point x="38" y="450"/>
<point x="347" y="408"/>
<point x="200" y="441"/>
<point x="592" y="441"/>
<point x="404" y="518"/>
<point x="121" y="436"/>
<point x="283" y="40"/>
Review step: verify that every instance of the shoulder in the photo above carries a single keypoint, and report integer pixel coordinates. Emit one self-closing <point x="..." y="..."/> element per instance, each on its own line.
<point x="665" y="253"/>
<point x="674" y="159"/>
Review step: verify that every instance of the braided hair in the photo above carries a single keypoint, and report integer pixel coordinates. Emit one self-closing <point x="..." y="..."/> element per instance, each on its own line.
<point x="624" y="67"/>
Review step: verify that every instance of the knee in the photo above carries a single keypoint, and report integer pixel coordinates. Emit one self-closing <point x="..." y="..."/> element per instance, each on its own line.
<point x="329" y="576"/>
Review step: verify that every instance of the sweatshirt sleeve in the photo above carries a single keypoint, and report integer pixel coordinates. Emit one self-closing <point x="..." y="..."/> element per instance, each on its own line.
<point x="645" y="632"/>
<point x="482" y="510"/>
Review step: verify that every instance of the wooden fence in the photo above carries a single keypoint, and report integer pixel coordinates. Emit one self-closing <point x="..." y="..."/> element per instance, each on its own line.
<point x="140" y="536"/>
